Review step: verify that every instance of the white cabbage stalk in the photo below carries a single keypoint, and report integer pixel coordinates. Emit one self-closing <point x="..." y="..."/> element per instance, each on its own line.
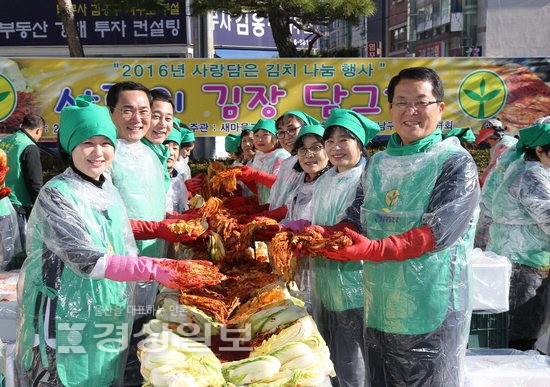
<point x="161" y="376"/>
<point x="154" y="326"/>
<point x="155" y="359"/>
<point x="250" y="370"/>
<point x="299" y="331"/>
<point x="269" y="319"/>
<point x="291" y="351"/>
<point x="308" y="360"/>
<point x="311" y="377"/>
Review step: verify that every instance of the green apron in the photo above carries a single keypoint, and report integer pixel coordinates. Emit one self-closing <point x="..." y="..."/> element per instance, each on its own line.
<point x="337" y="284"/>
<point x="412" y="296"/>
<point x="14" y="146"/>
<point x="93" y="319"/>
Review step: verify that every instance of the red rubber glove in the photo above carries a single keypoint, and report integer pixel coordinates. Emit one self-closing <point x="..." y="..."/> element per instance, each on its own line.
<point x="193" y="213"/>
<point x="410" y="244"/>
<point x="328" y="230"/>
<point x="249" y="174"/>
<point x="194" y="184"/>
<point x="144" y="229"/>
<point x="252" y="210"/>
<point x="127" y="269"/>
<point x="239" y="201"/>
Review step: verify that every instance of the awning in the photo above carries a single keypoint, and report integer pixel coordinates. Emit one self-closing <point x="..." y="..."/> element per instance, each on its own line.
<point x="245" y="54"/>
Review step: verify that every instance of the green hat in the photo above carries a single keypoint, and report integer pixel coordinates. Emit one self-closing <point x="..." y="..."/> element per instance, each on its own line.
<point x="266" y="124"/>
<point x="232" y="143"/>
<point x="177" y="123"/>
<point x="175" y="135"/>
<point x="311" y="129"/>
<point x="356" y="123"/>
<point x="533" y="136"/>
<point x="187" y="135"/>
<point x="84" y="120"/>
<point x="309" y="120"/>
<point x="463" y="134"/>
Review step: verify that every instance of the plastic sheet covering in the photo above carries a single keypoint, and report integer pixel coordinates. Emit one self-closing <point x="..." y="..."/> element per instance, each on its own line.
<point x="287" y="179"/>
<point x="521" y="215"/>
<point x="494" y="179"/>
<point x="506" y="368"/>
<point x="7" y="357"/>
<point x="337" y="291"/>
<point x="418" y="310"/>
<point x="10" y="243"/>
<point x="176" y="197"/>
<point x="269" y="163"/>
<point x="490" y="282"/>
<point x="73" y="224"/>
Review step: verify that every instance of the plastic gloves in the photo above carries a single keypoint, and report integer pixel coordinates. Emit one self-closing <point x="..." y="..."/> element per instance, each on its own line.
<point x="410" y="244"/>
<point x="194" y="184"/>
<point x="144" y="229"/>
<point x="125" y="269"/>
<point x="248" y="174"/>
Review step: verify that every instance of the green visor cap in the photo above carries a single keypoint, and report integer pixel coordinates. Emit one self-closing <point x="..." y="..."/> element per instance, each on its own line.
<point x="356" y="123"/>
<point x="309" y="120"/>
<point x="175" y="135"/>
<point x="311" y="129"/>
<point x="533" y="136"/>
<point x="266" y="124"/>
<point x="463" y="134"/>
<point x="232" y="143"/>
<point x="187" y="135"/>
<point x="84" y="120"/>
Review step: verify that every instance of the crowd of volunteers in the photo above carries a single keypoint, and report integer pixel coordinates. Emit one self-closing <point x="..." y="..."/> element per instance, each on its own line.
<point x="394" y="307"/>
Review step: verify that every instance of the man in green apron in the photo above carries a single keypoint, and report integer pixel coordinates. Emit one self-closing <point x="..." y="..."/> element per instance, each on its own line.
<point x="417" y="219"/>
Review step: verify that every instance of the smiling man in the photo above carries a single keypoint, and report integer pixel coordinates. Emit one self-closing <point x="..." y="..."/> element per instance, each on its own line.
<point x="139" y="176"/>
<point x="417" y="218"/>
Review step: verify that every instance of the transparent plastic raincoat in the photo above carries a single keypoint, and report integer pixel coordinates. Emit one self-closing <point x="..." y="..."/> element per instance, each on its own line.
<point x="287" y="180"/>
<point x="176" y="197"/>
<point x="337" y="294"/>
<point x="73" y="321"/>
<point x="521" y="232"/>
<point x="270" y="163"/>
<point x="10" y="244"/>
<point x="138" y="175"/>
<point x="505" y="143"/>
<point x="417" y="311"/>
<point x="494" y="178"/>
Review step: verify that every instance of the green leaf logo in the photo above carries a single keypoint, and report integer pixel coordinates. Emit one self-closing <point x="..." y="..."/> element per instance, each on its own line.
<point x="8" y="98"/>
<point x="482" y="94"/>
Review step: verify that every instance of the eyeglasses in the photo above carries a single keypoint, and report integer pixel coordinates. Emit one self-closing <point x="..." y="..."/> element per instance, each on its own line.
<point x="416" y="105"/>
<point x="128" y="113"/>
<point x="289" y="132"/>
<point x="314" y="150"/>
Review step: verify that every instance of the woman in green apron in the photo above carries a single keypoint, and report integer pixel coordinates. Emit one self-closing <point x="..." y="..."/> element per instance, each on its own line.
<point x="76" y="286"/>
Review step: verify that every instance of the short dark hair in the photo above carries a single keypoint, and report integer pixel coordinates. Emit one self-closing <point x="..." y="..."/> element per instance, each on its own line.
<point x="531" y="153"/>
<point x="117" y="88"/>
<point x="281" y="119"/>
<point x="421" y="74"/>
<point x="349" y="133"/>
<point x="300" y="143"/>
<point x="161" y="95"/>
<point x="33" y="121"/>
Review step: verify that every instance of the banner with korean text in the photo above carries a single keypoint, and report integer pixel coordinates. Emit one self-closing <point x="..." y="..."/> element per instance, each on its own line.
<point x="219" y="96"/>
